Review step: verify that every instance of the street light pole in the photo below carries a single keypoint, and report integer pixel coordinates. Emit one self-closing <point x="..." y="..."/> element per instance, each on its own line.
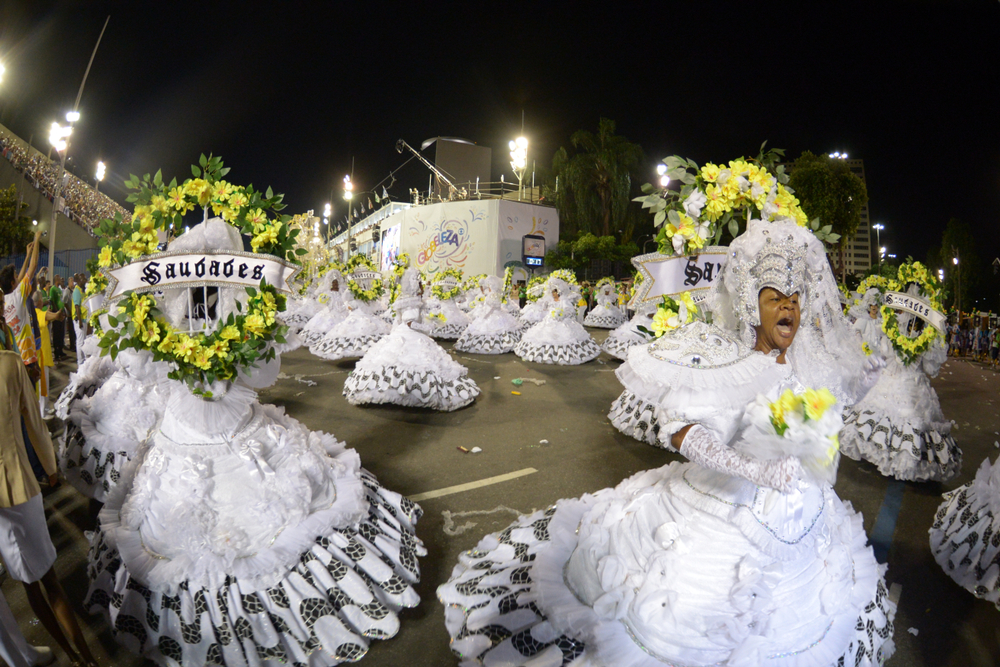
<point x="348" y="195"/>
<point x="958" y="287"/>
<point x="99" y="176"/>
<point x="878" y="227"/>
<point x="62" y="163"/>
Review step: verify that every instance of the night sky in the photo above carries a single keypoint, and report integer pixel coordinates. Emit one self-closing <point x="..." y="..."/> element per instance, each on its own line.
<point x="288" y="96"/>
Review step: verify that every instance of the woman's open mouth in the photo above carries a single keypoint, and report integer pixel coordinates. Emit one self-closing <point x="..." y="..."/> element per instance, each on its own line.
<point x="784" y="327"/>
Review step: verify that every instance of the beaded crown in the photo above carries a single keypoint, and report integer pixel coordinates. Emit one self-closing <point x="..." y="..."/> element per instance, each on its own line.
<point x="779" y="264"/>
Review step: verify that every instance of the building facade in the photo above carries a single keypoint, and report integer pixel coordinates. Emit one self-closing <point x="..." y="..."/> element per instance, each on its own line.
<point x="860" y="252"/>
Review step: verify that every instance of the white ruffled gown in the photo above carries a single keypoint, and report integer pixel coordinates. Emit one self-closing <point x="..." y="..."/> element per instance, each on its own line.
<point x="534" y="312"/>
<point x="328" y="316"/>
<point x="104" y="430"/>
<point x="558" y="339"/>
<point x="899" y="425"/>
<point x="605" y="315"/>
<point x="239" y="537"/>
<point x="455" y="321"/>
<point x="409" y="368"/>
<point x="353" y="335"/>
<point x="86" y="379"/>
<point x="628" y="335"/>
<point x="492" y="329"/>
<point x="679" y="565"/>
<point x="965" y="535"/>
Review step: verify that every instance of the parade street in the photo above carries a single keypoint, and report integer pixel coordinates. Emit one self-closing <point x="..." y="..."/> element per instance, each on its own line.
<point x="548" y="438"/>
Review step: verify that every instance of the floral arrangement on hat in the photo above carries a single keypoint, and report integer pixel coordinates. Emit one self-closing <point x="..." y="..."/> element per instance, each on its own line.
<point x="714" y="197"/>
<point x="241" y="338"/>
<point x="438" y="288"/>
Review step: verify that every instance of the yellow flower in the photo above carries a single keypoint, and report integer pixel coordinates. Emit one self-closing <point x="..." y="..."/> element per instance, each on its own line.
<point x="816" y="403"/>
<point x="176" y="199"/>
<point x="132" y="249"/>
<point x="710" y="172"/>
<point x="787" y="402"/>
<point x="866" y="348"/>
<point x="185" y="347"/>
<point x="254" y="324"/>
<point x="104" y="258"/>
<point x="220" y="347"/>
<point x="159" y="203"/>
<point x="265" y="235"/>
<point x="201" y="357"/>
<point x="238" y="199"/>
<point x="258" y="219"/>
<point x="167" y="342"/>
<point x="661" y="321"/>
<point x="150" y="333"/>
<point x="230" y="332"/>
<point x="200" y="189"/>
<point x="221" y="191"/>
<point x="716" y="203"/>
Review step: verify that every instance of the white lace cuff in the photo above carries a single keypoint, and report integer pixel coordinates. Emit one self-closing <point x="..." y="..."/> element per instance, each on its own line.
<point x="703" y="448"/>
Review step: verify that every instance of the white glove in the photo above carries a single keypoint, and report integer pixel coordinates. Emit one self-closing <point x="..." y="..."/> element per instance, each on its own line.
<point x="703" y="448"/>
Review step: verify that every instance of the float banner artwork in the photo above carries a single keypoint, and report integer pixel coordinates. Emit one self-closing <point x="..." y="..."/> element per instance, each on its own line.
<point x="186" y="269"/>
<point x="669" y="275"/>
<point x="916" y="305"/>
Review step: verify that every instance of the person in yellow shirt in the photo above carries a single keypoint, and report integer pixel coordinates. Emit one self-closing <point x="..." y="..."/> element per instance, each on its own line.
<point x="45" y="360"/>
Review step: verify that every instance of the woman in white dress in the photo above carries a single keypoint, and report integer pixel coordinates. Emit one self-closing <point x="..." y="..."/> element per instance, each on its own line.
<point x="449" y="320"/>
<point x="964" y="536"/>
<point x="331" y="312"/>
<point x="899" y="426"/>
<point x="728" y="560"/>
<point x="362" y="328"/>
<point x="104" y="430"/>
<point x="492" y="330"/>
<point x="606" y="314"/>
<point x="407" y="367"/>
<point x="237" y="536"/>
<point x="303" y="308"/>
<point x="558" y="338"/>
<point x="626" y="335"/>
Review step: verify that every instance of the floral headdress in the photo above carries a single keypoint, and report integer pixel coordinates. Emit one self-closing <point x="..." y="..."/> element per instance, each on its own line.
<point x="242" y="336"/>
<point x="714" y="198"/>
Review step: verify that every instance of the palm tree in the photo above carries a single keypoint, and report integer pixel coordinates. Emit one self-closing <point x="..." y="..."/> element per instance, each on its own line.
<point x="596" y="182"/>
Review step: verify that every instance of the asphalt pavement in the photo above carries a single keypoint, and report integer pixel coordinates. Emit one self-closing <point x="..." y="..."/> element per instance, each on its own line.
<point x="550" y="438"/>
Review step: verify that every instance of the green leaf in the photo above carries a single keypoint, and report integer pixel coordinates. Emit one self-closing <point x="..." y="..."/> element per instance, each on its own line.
<point x="300" y="251"/>
<point x="734" y="228"/>
<point x="268" y="194"/>
<point x="659" y="218"/>
<point x="195" y="171"/>
<point x="112" y="320"/>
<point x="158" y="178"/>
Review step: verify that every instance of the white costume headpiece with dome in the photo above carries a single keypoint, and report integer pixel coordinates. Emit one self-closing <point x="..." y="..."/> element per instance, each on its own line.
<point x="790" y="259"/>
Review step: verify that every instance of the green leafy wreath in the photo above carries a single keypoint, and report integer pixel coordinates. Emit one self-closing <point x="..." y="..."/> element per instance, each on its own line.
<point x="438" y="289"/>
<point x="137" y="321"/>
<point x="374" y="292"/>
<point x="911" y="273"/>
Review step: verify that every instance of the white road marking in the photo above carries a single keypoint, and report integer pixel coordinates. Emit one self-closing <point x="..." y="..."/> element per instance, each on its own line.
<point x="458" y="488"/>
<point x="450" y="528"/>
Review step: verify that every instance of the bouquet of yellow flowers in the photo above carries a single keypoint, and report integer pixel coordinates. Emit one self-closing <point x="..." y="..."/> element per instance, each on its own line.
<point x="804" y="425"/>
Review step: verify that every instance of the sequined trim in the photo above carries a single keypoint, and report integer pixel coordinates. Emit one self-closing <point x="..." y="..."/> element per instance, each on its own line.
<point x="756" y="518"/>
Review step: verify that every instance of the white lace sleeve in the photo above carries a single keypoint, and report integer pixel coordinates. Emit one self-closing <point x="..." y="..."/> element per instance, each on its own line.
<point x="703" y="448"/>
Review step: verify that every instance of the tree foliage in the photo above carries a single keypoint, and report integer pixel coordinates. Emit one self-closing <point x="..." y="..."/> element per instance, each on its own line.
<point x="596" y="183"/>
<point x="827" y="189"/>
<point x="962" y="279"/>
<point x="579" y="253"/>
<point x="15" y="227"/>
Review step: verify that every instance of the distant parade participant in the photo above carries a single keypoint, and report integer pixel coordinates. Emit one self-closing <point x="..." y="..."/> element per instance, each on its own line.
<point x="492" y="330"/>
<point x="447" y="320"/>
<point x="332" y="309"/>
<point x="626" y="335"/>
<point x="899" y="425"/>
<point x="606" y="314"/>
<point x="362" y="328"/>
<point x="408" y="368"/>
<point x="558" y="338"/>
